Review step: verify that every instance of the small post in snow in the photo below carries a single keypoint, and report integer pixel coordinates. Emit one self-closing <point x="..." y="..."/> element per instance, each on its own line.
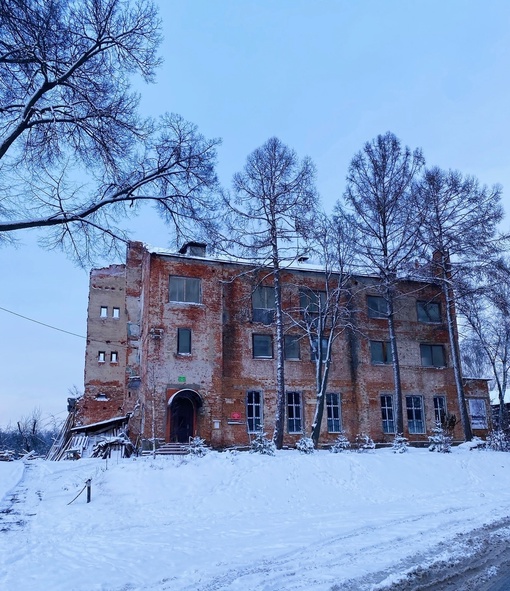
<point x="88" y="483"/>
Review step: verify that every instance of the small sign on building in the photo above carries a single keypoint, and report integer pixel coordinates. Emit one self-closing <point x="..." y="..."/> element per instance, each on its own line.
<point x="181" y="379"/>
<point x="235" y="416"/>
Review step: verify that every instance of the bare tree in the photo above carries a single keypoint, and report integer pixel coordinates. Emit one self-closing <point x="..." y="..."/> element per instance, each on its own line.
<point x="486" y="311"/>
<point x="275" y="199"/>
<point x="460" y="230"/>
<point x="324" y="315"/>
<point x="75" y="155"/>
<point x="379" y="200"/>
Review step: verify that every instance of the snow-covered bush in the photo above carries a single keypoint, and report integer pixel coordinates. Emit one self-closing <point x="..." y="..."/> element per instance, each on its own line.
<point x="262" y="445"/>
<point x="197" y="447"/>
<point x="498" y="441"/>
<point x="305" y="445"/>
<point x="440" y="440"/>
<point x="341" y="444"/>
<point x="363" y="442"/>
<point x="400" y="444"/>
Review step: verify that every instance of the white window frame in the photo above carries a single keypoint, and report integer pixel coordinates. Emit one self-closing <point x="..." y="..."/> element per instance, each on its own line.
<point x="388" y="422"/>
<point x="416" y="426"/>
<point x="334" y="407"/>
<point x="101" y="356"/>
<point x="439" y="408"/>
<point x="115" y="313"/>
<point x="294" y="408"/>
<point x="103" y="312"/>
<point x="182" y="290"/>
<point x="254" y="411"/>
<point x="114" y="357"/>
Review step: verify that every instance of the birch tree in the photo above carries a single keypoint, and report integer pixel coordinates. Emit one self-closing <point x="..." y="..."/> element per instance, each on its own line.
<point x="378" y="196"/>
<point x="269" y="218"/>
<point x="460" y="230"/>
<point x="76" y="157"/>
<point x="325" y="314"/>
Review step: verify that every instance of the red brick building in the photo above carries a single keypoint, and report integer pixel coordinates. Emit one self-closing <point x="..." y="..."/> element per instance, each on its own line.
<point x="185" y="343"/>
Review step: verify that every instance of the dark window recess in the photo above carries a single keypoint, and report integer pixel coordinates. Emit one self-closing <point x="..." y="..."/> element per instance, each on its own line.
<point x="428" y="311"/>
<point x="254" y="411"/>
<point x="292" y="347"/>
<point x="184" y="289"/>
<point x="377" y="307"/>
<point x="334" y="413"/>
<point x="432" y="356"/>
<point x="184" y="341"/>
<point x="294" y="422"/>
<point x="380" y="352"/>
<point x="262" y="346"/>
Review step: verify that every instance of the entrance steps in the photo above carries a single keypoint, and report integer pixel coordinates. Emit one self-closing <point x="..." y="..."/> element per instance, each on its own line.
<point x="169" y="449"/>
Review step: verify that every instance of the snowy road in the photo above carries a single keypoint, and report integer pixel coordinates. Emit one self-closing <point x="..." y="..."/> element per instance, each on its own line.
<point x="327" y="522"/>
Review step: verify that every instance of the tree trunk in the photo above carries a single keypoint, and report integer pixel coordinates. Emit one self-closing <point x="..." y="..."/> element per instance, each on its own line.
<point x="399" y="413"/>
<point x="280" y="372"/>
<point x="454" y="346"/>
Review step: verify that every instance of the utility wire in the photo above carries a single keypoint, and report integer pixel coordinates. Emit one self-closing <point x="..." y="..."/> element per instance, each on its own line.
<point x="42" y="323"/>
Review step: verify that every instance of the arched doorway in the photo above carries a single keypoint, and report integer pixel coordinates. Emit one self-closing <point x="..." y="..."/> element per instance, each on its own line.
<point x="182" y="412"/>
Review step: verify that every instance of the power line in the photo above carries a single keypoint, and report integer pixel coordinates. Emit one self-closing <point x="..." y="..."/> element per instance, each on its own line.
<point x="43" y="324"/>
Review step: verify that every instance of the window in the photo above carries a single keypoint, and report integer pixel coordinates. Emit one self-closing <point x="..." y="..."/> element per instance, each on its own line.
<point x="262" y="346"/>
<point x="387" y="413"/>
<point x="254" y="411"/>
<point x="415" y="420"/>
<point x="101" y="356"/>
<point x="428" y="311"/>
<point x="333" y="413"/>
<point x="478" y="412"/>
<point x="439" y="408"/>
<point x="116" y="313"/>
<point x="263" y="305"/>
<point x="294" y="423"/>
<point x="184" y="289"/>
<point x="104" y="312"/>
<point x="380" y="352"/>
<point x="184" y="341"/>
<point x="377" y="307"/>
<point x="432" y="356"/>
<point x="114" y="357"/>
<point x="292" y="347"/>
<point x="314" y="349"/>
<point x="311" y="302"/>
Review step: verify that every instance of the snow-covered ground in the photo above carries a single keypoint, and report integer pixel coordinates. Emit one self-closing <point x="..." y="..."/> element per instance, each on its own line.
<point x="323" y="522"/>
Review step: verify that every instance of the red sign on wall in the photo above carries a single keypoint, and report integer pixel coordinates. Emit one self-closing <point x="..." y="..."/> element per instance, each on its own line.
<point x="236" y="416"/>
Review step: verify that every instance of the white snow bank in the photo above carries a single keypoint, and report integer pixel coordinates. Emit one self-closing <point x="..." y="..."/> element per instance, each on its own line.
<point x="10" y="475"/>
<point x="244" y="522"/>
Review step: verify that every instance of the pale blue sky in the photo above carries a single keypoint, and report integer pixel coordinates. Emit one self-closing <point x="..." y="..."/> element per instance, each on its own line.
<point x="324" y="76"/>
